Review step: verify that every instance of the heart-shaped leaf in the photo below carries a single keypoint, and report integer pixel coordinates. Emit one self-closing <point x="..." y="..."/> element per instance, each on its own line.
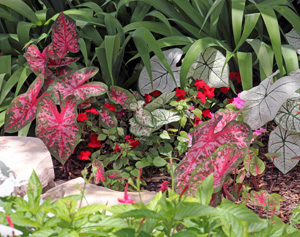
<point x="227" y="116"/>
<point x="293" y="37"/>
<point x="288" y="116"/>
<point x="208" y="66"/>
<point x="37" y="61"/>
<point x="121" y="96"/>
<point x="142" y="116"/>
<point x="160" y="101"/>
<point x="288" y="145"/>
<point x="253" y="164"/>
<point x="73" y="84"/>
<point x="139" y="130"/>
<point x="60" y="62"/>
<point x="163" y="117"/>
<point x="58" y="130"/>
<point x="264" y="101"/>
<point x="22" y="110"/>
<point x="107" y="118"/>
<point x="64" y="36"/>
<point x="162" y="80"/>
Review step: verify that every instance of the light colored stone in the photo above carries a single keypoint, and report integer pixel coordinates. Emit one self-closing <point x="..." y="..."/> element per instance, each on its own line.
<point x="94" y="194"/>
<point x="23" y="155"/>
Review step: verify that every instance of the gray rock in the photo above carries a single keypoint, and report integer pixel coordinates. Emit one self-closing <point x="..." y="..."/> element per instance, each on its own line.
<point x="23" y="155"/>
<point x="94" y="194"/>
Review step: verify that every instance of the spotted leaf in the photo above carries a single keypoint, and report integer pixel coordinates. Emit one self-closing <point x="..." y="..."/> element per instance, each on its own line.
<point x="121" y="96"/>
<point x="253" y="164"/>
<point x="37" y="61"/>
<point x="107" y="118"/>
<point x="139" y="130"/>
<point x="58" y="129"/>
<point x="64" y="36"/>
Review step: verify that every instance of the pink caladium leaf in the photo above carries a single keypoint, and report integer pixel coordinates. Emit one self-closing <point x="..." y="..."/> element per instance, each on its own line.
<point x="58" y="130"/>
<point x="107" y="118"/>
<point x="64" y="36"/>
<point x="74" y="84"/>
<point x="23" y="108"/>
<point x="227" y="116"/>
<point x="206" y="142"/>
<point x="253" y="164"/>
<point x="60" y="62"/>
<point x="49" y="78"/>
<point x="121" y="96"/>
<point x="37" y="61"/>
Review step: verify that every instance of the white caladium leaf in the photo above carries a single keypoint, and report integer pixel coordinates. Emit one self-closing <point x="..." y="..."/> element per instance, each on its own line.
<point x="208" y="66"/>
<point x="288" y="116"/>
<point x="144" y="118"/>
<point x="264" y="101"/>
<point x="160" y="101"/>
<point x="163" y="117"/>
<point x="293" y="37"/>
<point x="162" y="80"/>
<point x="288" y="145"/>
<point x="139" y="130"/>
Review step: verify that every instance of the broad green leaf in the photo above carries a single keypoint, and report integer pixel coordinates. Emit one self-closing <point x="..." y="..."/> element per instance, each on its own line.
<point x="140" y="213"/>
<point x="205" y="190"/>
<point x="159" y="162"/>
<point x="245" y="66"/>
<point x="88" y="210"/>
<point x="232" y="225"/>
<point x="34" y="190"/>
<point x="238" y="7"/>
<point x="290" y="58"/>
<point x="288" y="145"/>
<point x="162" y="80"/>
<point x="23" y="30"/>
<point x="5" y="64"/>
<point x="195" y="210"/>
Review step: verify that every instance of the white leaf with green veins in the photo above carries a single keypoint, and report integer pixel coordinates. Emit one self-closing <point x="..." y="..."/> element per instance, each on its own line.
<point x="163" y="117"/>
<point x="208" y="67"/>
<point x="139" y="130"/>
<point x="288" y="116"/>
<point x="264" y="101"/>
<point x="288" y="145"/>
<point x="162" y="80"/>
<point x="160" y="101"/>
<point x="293" y="37"/>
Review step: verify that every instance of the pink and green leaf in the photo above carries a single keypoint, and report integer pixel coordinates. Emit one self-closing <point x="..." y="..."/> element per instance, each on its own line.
<point x="253" y="164"/>
<point x="37" y="61"/>
<point x="64" y="36"/>
<point x="22" y="110"/>
<point x="107" y="118"/>
<point x="60" y="62"/>
<point x="142" y="116"/>
<point x="74" y="84"/>
<point x="121" y="96"/>
<point x="139" y="130"/>
<point x="58" y="130"/>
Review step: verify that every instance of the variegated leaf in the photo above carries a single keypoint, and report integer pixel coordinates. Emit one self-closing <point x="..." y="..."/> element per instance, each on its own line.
<point x="121" y="96"/>
<point x="139" y="130"/>
<point x="288" y="145"/>
<point x="60" y="62"/>
<point x="37" y="61"/>
<point x="160" y="101"/>
<point x="58" y="130"/>
<point x="142" y="116"/>
<point x="107" y="118"/>
<point x="22" y="110"/>
<point x="163" y="117"/>
<point x="253" y="164"/>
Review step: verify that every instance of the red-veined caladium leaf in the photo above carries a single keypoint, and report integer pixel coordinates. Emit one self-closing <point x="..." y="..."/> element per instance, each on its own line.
<point x="265" y="200"/>
<point x="107" y="118"/>
<point x="139" y="130"/>
<point x="73" y="84"/>
<point x="49" y="78"/>
<point x="206" y="142"/>
<point x="225" y="159"/>
<point x="58" y="130"/>
<point x="264" y="101"/>
<point x="253" y="164"/>
<point x="227" y="116"/>
<point x="60" y="62"/>
<point x="288" y="145"/>
<point x="37" y="61"/>
<point x="64" y="36"/>
<point x="121" y="96"/>
<point x="22" y="110"/>
<point x="142" y="116"/>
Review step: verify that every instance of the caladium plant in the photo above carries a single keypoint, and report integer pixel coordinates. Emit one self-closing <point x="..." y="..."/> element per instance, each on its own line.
<point x="121" y="96"/>
<point x="203" y="156"/>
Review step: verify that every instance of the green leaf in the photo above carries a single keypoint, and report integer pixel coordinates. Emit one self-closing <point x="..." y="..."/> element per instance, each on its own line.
<point x="34" y="190"/>
<point x="290" y="58"/>
<point x="160" y="101"/>
<point x="195" y="210"/>
<point x="159" y="162"/>
<point x="232" y="226"/>
<point x="205" y="190"/>
<point x="245" y="67"/>
<point x="165" y="135"/>
<point x="163" y="117"/>
<point x="238" y="7"/>
<point x="89" y="210"/>
<point x="23" y="30"/>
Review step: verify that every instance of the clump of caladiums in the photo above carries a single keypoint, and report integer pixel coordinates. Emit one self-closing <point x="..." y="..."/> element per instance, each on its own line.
<point x="219" y="145"/>
<point x="56" y="108"/>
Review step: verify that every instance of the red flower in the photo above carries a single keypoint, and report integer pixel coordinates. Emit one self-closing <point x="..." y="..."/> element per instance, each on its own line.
<point x="94" y="141"/>
<point x="92" y="111"/>
<point x="155" y="93"/>
<point x="147" y="98"/>
<point x="180" y="92"/>
<point x="113" y="175"/>
<point x="198" y="121"/>
<point x="164" y="186"/>
<point x="9" y="221"/>
<point x="126" y="198"/>
<point x="127" y="138"/>
<point x="84" y="155"/>
<point x="117" y="148"/>
<point x="201" y="96"/>
<point x="134" y="143"/>
<point x="236" y="76"/>
<point x="181" y="98"/>
<point x="224" y="89"/>
<point x="110" y="107"/>
<point x="230" y="100"/>
<point x="209" y="91"/>
<point x="82" y="117"/>
<point x="100" y="173"/>
<point x="200" y="84"/>
<point x="206" y="113"/>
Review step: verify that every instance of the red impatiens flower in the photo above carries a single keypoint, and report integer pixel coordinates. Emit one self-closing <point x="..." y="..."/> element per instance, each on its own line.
<point x="84" y="155"/>
<point x="127" y="138"/>
<point x="134" y="143"/>
<point x="164" y="186"/>
<point x="110" y="107"/>
<point x="236" y="76"/>
<point x="180" y="92"/>
<point x="201" y="96"/>
<point x="147" y="98"/>
<point x="94" y="141"/>
<point x="155" y="93"/>
<point x="224" y="89"/>
<point x="82" y="117"/>
<point x="198" y="121"/>
<point x="126" y="198"/>
<point x="92" y="111"/>
<point x="206" y="113"/>
<point x="117" y="148"/>
<point x="209" y="91"/>
<point x="200" y="84"/>
<point x="230" y="100"/>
